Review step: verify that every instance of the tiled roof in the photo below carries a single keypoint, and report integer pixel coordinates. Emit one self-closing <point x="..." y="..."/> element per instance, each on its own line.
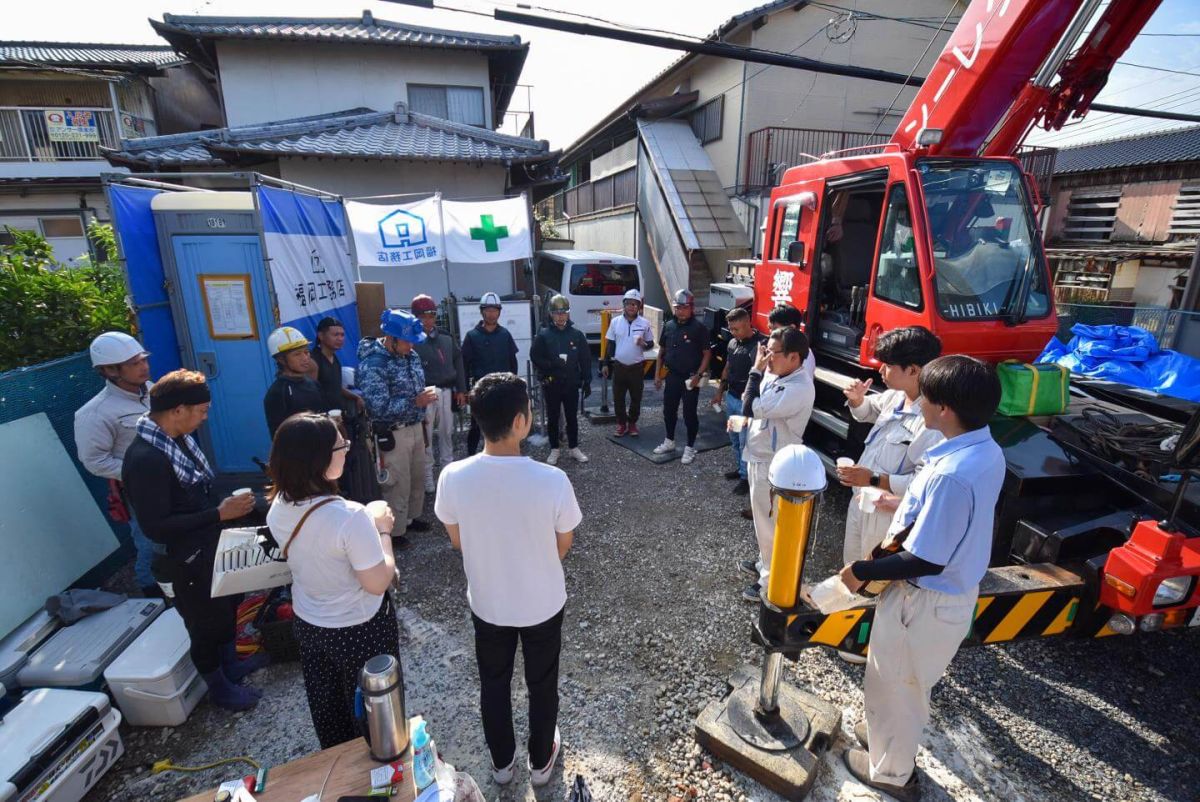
<point x="137" y="58"/>
<point x="351" y="134"/>
<point x="1179" y="145"/>
<point x="364" y="30"/>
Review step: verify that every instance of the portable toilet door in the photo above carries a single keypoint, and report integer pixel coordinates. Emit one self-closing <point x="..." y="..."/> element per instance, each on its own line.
<point x="223" y="310"/>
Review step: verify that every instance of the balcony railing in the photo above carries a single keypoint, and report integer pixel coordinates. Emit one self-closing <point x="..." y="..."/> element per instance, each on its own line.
<point x="610" y="192"/>
<point x="770" y="151"/>
<point x="33" y="135"/>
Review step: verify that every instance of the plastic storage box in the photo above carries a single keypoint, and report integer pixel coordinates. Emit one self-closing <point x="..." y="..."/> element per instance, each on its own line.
<point x="76" y="656"/>
<point x="154" y="681"/>
<point x="18" y="644"/>
<point x="56" y="744"/>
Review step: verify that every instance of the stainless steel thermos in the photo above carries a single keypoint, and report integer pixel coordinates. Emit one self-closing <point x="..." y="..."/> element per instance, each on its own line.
<point x="381" y="683"/>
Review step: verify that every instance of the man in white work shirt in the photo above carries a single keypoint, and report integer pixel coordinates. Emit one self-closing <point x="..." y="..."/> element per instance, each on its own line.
<point x="514" y="520"/>
<point x="106" y="425"/>
<point x="779" y="400"/>
<point x="944" y="528"/>
<point x="629" y="337"/>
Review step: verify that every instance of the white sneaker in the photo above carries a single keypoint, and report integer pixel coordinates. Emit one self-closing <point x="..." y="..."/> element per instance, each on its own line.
<point x="541" y="776"/>
<point x="689" y="454"/>
<point x="578" y="455"/>
<point x="504" y="776"/>
<point x="553" y="458"/>
<point x="665" y="447"/>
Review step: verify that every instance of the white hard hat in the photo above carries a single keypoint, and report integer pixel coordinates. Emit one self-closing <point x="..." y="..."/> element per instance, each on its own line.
<point x="632" y="295"/>
<point x="489" y="299"/>
<point x="797" y="470"/>
<point x="284" y="339"/>
<point x="113" y="348"/>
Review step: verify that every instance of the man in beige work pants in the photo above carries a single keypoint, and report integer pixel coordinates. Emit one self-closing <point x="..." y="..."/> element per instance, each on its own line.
<point x="392" y="382"/>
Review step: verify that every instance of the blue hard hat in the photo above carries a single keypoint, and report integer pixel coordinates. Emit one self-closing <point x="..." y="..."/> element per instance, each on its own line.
<point x="402" y="325"/>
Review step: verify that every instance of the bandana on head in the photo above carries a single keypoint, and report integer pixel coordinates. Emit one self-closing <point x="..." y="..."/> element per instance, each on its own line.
<point x="187" y="471"/>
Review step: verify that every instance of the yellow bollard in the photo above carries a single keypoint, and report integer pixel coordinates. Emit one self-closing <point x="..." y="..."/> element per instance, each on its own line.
<point x="793" y="522"/>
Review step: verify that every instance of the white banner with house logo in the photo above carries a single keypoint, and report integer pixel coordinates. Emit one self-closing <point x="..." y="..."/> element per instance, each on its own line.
<point x="479" y="232"/>
<point x="398" y="235"/>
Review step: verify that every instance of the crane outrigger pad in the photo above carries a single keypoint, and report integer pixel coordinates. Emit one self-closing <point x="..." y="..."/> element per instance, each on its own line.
<point x="782" y="752"/>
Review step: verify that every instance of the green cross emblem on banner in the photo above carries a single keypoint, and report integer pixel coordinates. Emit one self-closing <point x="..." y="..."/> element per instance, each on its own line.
<point x="490" y="233"/>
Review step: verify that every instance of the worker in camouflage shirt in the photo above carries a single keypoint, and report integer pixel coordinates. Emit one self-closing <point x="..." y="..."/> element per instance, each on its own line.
<point x="392" y="382"/>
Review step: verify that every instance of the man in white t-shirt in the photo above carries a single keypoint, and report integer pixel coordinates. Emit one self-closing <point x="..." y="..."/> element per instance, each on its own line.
<point x="514" y="520"/>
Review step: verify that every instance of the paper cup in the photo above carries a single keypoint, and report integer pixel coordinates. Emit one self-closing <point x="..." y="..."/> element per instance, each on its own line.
<point x="844" y="462"/>
<point x="242" y="491"/>
<point x="336" y="414"/>
<point x="867" y="496"/>
<point x="737" y="423"/>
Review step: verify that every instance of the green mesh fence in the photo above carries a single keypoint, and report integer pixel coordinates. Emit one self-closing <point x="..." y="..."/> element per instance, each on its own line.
<point x="59" y="388"/>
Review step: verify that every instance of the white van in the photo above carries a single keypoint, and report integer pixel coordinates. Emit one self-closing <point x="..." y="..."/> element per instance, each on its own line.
<point x="591" y="280"/>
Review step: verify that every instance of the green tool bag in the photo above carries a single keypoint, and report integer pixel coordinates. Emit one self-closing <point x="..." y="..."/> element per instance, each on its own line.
<point x="1033" y="389"/>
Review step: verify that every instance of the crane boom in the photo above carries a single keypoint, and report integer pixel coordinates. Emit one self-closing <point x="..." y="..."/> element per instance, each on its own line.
<point x="1081" y="77"/>
<point x="993" y="80"/>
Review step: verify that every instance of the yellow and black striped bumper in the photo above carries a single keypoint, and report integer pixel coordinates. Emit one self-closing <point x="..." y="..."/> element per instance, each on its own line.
<point x="1015" y="603"/>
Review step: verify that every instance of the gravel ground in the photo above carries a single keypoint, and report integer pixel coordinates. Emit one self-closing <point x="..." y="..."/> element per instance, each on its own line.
<point x="653" y="627"/>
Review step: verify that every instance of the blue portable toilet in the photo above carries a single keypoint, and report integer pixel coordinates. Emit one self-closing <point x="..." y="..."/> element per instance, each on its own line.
<point x="223" y="309"/>
<point x="211" y="274"/>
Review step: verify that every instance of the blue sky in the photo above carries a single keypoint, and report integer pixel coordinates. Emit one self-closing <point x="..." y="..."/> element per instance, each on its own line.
<point x="577" y="80"/>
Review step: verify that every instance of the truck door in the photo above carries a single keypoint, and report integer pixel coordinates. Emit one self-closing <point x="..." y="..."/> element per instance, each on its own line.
<point x="786" y="273"/>
<point x="897" y="297"/>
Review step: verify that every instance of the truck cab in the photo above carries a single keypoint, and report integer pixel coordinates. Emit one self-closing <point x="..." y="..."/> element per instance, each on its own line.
<point x="867" y="243"/>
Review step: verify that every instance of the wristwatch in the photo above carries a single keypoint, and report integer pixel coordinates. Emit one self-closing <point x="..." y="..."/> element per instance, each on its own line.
<point x="874" y="480"/>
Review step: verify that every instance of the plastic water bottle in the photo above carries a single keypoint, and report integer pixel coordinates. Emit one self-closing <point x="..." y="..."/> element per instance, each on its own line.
<point x="424" y="756"/>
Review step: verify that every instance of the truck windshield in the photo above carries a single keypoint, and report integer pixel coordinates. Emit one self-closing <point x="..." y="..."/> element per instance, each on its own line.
<point x="986" y="262"/>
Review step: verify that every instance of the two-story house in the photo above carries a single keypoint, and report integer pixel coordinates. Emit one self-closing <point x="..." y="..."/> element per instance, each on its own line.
<point x="60" y="104"/>
<point x="679" y="173"/>
<point x="358" y="107"/>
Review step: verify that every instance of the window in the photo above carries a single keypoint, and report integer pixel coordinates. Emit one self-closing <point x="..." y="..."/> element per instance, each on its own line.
<point x="603" y="279"/>
<point x="789" y="230"/>
<point x="549" y="273"/>
<point x="897" y="278"/>
<point x="459" y="104"/>
<point x="61" y="227"/>
<point x="987" y="262"/>
<point x="706" y="121"/>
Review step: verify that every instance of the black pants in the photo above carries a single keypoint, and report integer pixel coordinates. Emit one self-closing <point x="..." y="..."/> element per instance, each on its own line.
<point x="561" y="395"/>
<point x="210" y="622"/>
<point x="330" y="659"/>
<point x="675" y="389"/>
<point x="629" y="379"/>
<point x="495" y="649"/>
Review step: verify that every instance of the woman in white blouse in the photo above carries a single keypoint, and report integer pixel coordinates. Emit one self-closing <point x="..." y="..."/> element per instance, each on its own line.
<point x="340" y="554"/>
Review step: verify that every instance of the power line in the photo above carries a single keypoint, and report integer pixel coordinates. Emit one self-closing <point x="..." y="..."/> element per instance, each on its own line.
<point x="1159" y="69"/>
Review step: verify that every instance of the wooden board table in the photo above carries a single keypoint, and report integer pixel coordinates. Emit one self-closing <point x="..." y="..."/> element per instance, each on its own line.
<point x="296" y="780"/>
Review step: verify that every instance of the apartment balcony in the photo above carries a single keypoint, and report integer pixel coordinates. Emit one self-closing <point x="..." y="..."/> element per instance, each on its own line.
<point x="770" y="151"/>
<point x="62" y="143"/>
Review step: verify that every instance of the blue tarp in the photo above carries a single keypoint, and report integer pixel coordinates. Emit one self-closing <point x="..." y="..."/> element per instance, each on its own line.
<point x="133" y="222"/>
<point x="1128" y="355"/>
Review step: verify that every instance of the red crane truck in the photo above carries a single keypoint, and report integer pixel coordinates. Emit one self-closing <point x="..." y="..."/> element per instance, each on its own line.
<point x="940" y="228"/>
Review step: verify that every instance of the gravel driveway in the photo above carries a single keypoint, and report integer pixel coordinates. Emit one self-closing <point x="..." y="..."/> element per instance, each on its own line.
<point x="653" y="627"/>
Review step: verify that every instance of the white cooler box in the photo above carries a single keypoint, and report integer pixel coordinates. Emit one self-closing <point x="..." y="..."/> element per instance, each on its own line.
<point x="76" y="656"/>
<point x="154" y="681"/>
<point x="56" y="744"/>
